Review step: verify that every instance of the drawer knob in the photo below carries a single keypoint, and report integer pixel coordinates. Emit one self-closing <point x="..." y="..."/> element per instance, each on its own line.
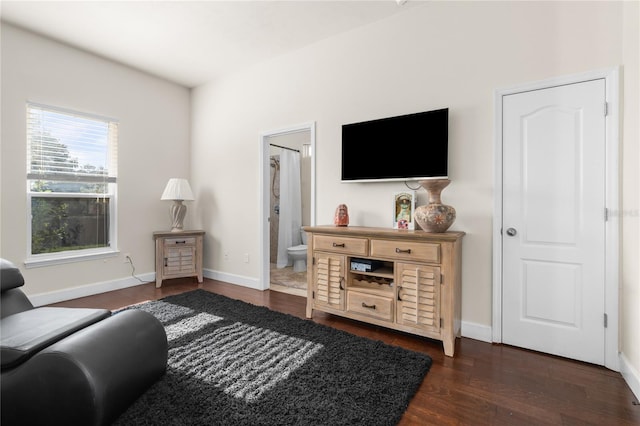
<point x="408" y="251"/>
<point x="338" y="245"/>
<point x="364" y="305"/>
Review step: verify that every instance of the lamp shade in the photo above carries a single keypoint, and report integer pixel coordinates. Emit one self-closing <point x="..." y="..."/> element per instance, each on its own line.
<point x="177" y="189"/>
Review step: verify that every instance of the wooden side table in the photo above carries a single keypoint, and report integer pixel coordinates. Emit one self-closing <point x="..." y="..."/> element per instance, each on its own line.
<point x="178" y="254"/>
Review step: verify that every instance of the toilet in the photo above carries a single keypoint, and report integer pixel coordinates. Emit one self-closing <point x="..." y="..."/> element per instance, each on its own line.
<point x="298" y="254"/>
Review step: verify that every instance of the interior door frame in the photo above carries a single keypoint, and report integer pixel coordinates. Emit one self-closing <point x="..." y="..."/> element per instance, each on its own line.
<point x="265" y="209"/>
<point x="612" y="202"/>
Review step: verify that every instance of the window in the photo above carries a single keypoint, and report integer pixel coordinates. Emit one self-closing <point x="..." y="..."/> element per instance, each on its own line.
<point x="71" y="184"/>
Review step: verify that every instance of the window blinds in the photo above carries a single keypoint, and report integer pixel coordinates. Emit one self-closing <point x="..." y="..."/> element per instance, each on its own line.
<point x="70" y="146"/>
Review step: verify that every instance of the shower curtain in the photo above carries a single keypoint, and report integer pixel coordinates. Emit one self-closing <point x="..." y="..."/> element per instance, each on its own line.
<point x="290" y="205"/>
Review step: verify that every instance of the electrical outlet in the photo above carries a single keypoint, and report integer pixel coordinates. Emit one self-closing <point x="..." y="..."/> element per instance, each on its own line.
<point x="226" y="256"/>
<point x="246" y="258"/>
<point x="126" y="257"/>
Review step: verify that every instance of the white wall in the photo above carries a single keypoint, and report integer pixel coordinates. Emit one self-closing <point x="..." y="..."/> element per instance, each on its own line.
<point x="437" y="54"/>
<point x="630" y="212"/>
<point x="153" y="146"/>
<point x="441" y="54"/>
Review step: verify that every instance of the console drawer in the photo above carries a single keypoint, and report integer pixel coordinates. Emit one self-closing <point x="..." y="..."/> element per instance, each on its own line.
<point x="371" y="305"/>
<point x="338" y="244"/>
<point x="406" y="250"/>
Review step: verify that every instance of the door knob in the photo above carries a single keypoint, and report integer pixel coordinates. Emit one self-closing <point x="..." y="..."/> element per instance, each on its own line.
<point x="511" y="232"/>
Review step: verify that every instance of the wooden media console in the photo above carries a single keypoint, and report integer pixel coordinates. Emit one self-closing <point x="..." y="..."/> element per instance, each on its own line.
<point x="401" y="279"/>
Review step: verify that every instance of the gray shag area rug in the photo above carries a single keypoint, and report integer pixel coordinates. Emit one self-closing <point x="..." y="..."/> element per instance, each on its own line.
<point x="233" y="363"/>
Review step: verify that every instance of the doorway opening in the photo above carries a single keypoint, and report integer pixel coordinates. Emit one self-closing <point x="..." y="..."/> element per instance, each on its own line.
<point x="288" y="203"/>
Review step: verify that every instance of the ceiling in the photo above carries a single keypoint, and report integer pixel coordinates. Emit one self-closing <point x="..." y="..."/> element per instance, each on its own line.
<point x="193" y="42"/>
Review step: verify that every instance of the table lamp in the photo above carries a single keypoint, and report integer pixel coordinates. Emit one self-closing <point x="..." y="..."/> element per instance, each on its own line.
<point x="177" y="190"/>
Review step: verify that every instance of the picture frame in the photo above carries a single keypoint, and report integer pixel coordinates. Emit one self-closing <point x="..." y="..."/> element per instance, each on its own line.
<point x="404" y="205"/>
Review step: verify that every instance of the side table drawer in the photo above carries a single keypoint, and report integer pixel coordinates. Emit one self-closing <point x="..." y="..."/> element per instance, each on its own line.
<point x="173" y="242"/>
<point x="371" y="305"/>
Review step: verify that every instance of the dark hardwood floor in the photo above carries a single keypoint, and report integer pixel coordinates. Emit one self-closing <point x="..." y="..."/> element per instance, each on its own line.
<point x="484" y="384"/>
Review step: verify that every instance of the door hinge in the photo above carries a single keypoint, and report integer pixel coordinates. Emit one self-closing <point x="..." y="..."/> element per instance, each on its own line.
<point x="441" y="323"/>
<point x="313" y="294"/>
<point x="441" y="279"/>
<point x="606" y="109"/>
<point x="606" y="320"/>
<point x="606" y="214"/>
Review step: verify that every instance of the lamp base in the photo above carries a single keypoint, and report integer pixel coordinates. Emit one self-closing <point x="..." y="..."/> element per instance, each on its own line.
<point x="178" y="212"/>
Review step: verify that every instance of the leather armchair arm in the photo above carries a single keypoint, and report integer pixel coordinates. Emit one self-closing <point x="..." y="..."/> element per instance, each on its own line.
<point x="90" y="377"/>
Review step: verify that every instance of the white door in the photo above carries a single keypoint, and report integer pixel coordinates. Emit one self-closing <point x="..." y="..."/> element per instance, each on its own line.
<point x="553" y="228"/>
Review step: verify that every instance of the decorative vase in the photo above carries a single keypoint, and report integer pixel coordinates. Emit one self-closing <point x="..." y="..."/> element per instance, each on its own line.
<point x="435" y="216"/>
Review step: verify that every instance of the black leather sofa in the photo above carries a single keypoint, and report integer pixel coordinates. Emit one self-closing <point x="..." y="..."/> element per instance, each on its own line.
<point x="72" y="366"/>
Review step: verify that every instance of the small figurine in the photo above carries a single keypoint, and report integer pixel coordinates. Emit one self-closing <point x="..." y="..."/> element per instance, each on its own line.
<point x="341" y="217"/>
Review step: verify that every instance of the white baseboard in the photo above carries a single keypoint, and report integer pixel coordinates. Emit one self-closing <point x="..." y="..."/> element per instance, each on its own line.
<point x="240" y="280"/>
<point x="630" y="375"/>
<point x="89" y="289"/>
<point x="476" y="331"/>
<point x="42" y="299"/>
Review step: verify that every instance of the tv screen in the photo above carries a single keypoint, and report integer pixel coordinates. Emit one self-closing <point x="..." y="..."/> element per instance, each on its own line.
<point x="406" y="147"/>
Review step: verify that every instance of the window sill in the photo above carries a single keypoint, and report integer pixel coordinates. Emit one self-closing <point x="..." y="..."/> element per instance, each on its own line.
<point x="67" y="257"/>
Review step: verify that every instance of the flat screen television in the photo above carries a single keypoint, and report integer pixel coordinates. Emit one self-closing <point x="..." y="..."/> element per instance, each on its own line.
<point x="406" y="147"/>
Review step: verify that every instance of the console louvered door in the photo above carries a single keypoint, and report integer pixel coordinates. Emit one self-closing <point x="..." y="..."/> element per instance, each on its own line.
<point x="329" y="273"/>
<point x="418" y="296"/>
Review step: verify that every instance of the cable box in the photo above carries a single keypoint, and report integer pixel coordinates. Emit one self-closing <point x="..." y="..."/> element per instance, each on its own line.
<point x="365" y="265"/>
